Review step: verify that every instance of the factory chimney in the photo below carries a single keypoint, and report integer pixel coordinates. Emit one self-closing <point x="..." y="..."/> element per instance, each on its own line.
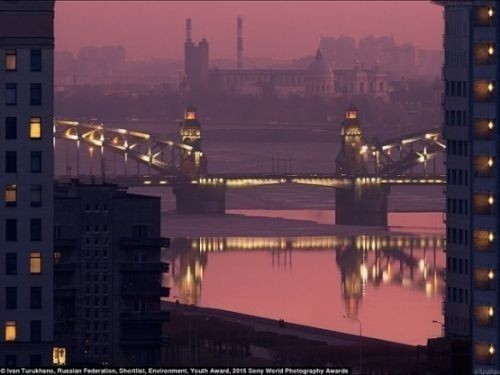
<point x="239" y="43"/>
<point x="188" y="29"/>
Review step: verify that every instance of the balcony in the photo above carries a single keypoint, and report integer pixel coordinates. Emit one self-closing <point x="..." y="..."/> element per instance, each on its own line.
<point x="145" y="267"/>
<point x="483" y="204"/>
<point x="142" y="340"/>
<point x="484" y="353"/>
<point x="484" y="15"/>
<point x="484" y="240"/>
<point x="65" y="267"/>
<point x="484" y="279"/>
<point x="483" y="165"/>
<point x="145" y="291"/>
<point x="484" y="129"/>
<point x="484" y="53"/>
<point x="64" y="291"/>
<point x="484" y="91"/>
<point x="162" y="316"/>
<point x="132" y="243"/>
<point x="60" y="243"/>
<point x="484" y="316"/>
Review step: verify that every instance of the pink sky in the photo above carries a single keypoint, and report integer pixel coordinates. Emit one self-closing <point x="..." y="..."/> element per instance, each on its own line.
<point x="272" y="29"/>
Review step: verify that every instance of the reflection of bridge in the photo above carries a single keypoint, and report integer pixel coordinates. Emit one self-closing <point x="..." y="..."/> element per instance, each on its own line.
<point x="398" y="260"/>
<point x="364" y="170"/>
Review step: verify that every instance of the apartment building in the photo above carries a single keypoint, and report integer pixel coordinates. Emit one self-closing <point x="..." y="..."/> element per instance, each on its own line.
<point x="108" y="276"/>
<point x="26" y="178"/>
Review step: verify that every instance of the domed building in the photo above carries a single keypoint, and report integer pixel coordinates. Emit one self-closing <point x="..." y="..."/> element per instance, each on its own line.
<point x="319" y="78"/>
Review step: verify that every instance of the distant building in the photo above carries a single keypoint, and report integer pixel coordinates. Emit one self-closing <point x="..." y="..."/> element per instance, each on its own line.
<point x="108" y="276"/>
<point x="318" y="79"/>
<point x="27" y="177"/>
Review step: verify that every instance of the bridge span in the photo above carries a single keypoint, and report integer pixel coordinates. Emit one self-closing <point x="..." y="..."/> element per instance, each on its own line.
<point x="364" y="171"/>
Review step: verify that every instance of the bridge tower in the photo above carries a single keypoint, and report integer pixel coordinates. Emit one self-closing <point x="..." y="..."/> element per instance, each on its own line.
<point x="193" y="193"/>
<point x="362" y="203"/>
<point x="193" y="163"/>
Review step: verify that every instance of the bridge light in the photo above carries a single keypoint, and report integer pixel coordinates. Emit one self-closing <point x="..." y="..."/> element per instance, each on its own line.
<point x="491" y="311"/>
<point x="491" y="200"/>
<point x="490" y="12"/>
<point x="490" y="87"/>
<point x="491" y="50"/>
<point x="491" y="275"/>
<point x="491" y="350"/>
<point x="490" y="162"/>
<point x="491" y="236"/>
<point x="363" y="149"/>
<point x="490" y="125"/>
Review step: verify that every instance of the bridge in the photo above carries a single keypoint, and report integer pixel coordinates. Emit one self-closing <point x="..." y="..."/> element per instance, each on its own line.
<point x="364" y="171"/>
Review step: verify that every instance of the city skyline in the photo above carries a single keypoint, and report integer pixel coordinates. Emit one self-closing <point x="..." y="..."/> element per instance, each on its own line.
<point x="265" y="34"/>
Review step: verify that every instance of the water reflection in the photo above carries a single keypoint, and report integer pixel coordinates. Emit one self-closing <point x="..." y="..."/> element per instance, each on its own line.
<point x="412" y="263"/>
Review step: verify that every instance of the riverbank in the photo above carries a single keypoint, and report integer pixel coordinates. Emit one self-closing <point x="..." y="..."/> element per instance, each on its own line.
<point x="292" y="223"/>
<point x="219" y="337"/>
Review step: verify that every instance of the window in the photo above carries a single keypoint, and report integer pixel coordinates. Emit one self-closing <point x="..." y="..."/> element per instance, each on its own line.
<point x="59" y="356"/>
<point x="35" y="262"/>
<point x="10" y="297"/>
<point x="10" y="263"/>
<point x="36" y="162"/>
<point x="11" y="361"/>
<point x="36" y="330"/>
<point x="57" y="232"/>
<point x="10" y="330"/>
<point x="10" y="128"/>
<point x="10" y="195"/>
<point x="10" y="230"/>
<point x="10" y="94"/>
<point x="36" y="94"/>
<point x="35" y="128"/>
<point x="36" y="297"/>
<point x="36" y="195"/>
<point x="10" y="60"/>
<point x="10" y="162"/>
<point x="36" y="229"/>
<point x="36" y="60"/>
<point x="139" y="231"/>
<point x="35" y="360"/>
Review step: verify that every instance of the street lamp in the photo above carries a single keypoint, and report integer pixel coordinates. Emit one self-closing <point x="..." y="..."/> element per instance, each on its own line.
<point x="360" y="341"/>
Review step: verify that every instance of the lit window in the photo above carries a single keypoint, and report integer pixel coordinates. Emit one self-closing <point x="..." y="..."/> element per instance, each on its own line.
<point x="10" y="195"/>
<point x="35" y="262"/>
<point x="35" y="128"/>
<point x="10" y="60"/>
<point x="59" y="356"/>
<point x="10" y="330"/>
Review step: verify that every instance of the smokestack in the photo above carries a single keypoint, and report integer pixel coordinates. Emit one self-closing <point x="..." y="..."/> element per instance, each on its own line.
<point x="188" y="29"/>
<point x="239" y="43"/>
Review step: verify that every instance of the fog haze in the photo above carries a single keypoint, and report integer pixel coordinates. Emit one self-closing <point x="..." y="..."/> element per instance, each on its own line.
<point x="155" y="29"/>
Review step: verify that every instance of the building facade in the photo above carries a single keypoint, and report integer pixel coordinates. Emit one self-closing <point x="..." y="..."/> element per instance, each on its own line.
<point x="27" y="175"/>
<point x="470" y="107"/>
<point x="108" y="276"/>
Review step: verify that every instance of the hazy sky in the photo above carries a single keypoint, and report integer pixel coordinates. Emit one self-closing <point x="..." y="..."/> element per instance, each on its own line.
<point x="271" y="29"/>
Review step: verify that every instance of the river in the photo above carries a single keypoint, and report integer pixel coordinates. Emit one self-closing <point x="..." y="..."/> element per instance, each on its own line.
<point x="390" y="280"/>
